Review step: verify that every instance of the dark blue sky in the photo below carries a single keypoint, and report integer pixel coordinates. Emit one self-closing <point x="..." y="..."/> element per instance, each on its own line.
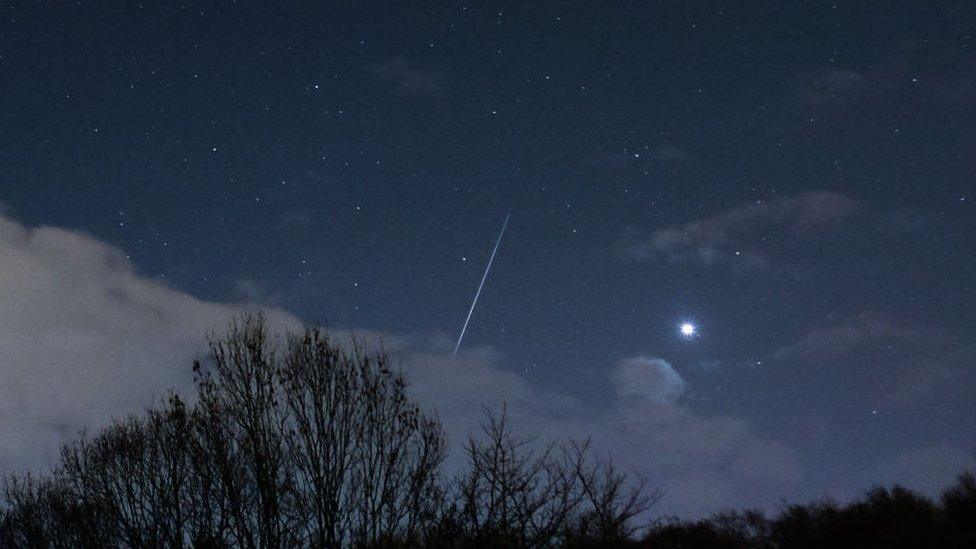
<point x="795" y="177"/>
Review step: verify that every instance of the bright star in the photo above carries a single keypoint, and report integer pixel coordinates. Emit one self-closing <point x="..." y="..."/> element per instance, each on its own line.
<point x="688" y="329"/>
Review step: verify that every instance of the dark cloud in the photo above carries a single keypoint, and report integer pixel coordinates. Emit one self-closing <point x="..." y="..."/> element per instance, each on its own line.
<point x="735" y="237"/>
<point x="908" y="77"/>
<point x="908" y="363"/>
<point x="927" y="470"/>
<point x="865" y="330"/>
<point x="896" y="395"/>
<point x="408" y="78"/>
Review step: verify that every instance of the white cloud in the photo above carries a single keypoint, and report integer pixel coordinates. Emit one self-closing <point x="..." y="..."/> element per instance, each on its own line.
<point x="649" y="378"/>
<point x="84" y="337"/>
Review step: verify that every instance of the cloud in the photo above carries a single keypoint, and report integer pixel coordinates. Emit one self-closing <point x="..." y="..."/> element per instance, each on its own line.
<point x="649" y="378"/>
<point x="407" y="78"/>
<point x="873" y="399"/>
<point x="865" y="330"/>
<point x="85" y="337"/>
<point x="928" y="470"/>
<point x="703" y="463"/>
<point x="905" y="78"/>
<point x="735" y="237"/>
<point x="250" y="291"/>
<point x="891" y="364"/>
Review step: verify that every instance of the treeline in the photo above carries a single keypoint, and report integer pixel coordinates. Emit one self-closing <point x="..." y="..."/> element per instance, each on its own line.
<point x="884" y="518"/>
<point x="297" y="441"/>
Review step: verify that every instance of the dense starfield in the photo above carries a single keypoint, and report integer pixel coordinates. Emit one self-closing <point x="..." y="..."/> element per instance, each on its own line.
<point x="739" y="256"/>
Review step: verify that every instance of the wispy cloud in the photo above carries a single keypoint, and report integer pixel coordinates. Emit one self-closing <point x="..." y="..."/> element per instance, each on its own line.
<point x="407" y="78"/>
<point x="736" y="237"/>
<point x="882" y="92"/>
<point x="908" y="363"/>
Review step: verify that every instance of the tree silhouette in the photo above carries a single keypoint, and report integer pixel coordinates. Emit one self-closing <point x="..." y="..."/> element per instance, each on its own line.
<point x="510" y="495"/>
<point x="884" y="518"/>
<point x="292" y="441"/>
<point x="295" y="440"/>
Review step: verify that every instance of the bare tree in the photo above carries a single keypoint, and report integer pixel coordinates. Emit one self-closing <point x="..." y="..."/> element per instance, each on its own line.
<point x="300" y="441"/>
<point x="44" y="513"/>
<point x="241" y="428"/>
<point x="304" y="441"/>
<point x="611" y="500"/>
<point x="137" y="473"/>
<point x="366" y="457"/>
<point x="558" y="495"/>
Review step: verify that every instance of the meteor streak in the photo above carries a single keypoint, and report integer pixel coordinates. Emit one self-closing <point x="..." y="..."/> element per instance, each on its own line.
<point x="481" y="285"/>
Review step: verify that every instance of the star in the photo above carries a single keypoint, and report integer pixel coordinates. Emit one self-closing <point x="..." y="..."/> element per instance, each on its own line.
<point x="688" y="330"/>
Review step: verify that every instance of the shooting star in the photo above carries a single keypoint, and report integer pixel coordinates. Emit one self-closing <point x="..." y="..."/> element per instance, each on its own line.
<point x="481" y="285"/>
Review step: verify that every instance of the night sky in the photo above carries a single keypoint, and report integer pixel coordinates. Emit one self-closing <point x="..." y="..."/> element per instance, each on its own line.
<point x="793" y="179"/>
